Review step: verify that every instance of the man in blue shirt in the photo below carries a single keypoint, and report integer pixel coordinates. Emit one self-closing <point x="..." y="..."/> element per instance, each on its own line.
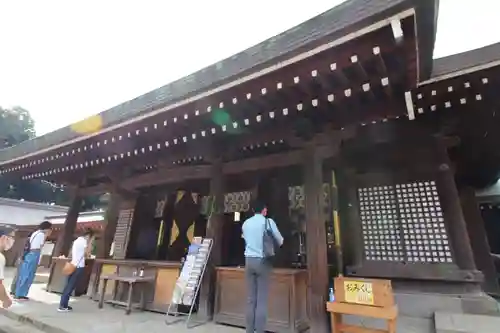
<point x="257" y="267"/>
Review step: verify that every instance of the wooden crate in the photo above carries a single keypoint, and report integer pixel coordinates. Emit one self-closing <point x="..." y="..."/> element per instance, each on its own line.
<point x="370" y="292"/>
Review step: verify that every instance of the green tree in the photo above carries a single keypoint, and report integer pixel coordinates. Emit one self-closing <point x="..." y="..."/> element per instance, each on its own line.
<point x="16" y="126"/>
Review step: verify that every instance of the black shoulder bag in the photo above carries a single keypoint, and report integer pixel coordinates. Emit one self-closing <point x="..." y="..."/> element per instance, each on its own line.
<point x="268" y="241"/>
<point x="27" y="245"/>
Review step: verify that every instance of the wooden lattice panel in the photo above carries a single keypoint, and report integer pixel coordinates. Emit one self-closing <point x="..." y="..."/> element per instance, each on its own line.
<point x="122" y="233"/>
<point x="404" y="223"/>
<point x="423" y="225"/>
<point x="297" y="197"/>
<point x="237" y="202"/>
<point x="380" y="225"/>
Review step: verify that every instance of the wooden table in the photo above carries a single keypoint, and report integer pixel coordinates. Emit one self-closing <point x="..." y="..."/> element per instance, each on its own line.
<point x="131" y="281"/>
<point x="158" y="293"/>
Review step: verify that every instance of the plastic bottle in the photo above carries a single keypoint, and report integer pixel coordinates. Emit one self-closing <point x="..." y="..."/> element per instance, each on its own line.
<point x="331" y="295"/>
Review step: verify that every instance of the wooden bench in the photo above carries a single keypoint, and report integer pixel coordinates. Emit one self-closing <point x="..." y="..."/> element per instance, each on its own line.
<point x="337" y="309"/>
<point x="132" y="281"/>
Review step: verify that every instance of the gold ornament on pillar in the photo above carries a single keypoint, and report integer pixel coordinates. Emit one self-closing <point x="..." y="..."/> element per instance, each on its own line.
<point x="174" y="233"/>
<point x="180" y="195"/>
<point x="190" y="232"/>
<point x="185" y="214"/>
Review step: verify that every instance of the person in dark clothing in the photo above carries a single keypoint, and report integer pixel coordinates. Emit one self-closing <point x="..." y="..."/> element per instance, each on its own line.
<point x="80" y="250"/>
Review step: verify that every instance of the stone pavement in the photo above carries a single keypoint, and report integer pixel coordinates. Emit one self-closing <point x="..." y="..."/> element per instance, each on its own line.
<point x="8" y="325"/>
<point x="40" y="313"/>
<point x="465" y="323"/>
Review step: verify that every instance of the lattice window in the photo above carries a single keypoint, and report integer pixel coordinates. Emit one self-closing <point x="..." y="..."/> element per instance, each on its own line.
<point x="404" y="222"/>
<point x="423" y="225"/>
<point x="380" y="225"/>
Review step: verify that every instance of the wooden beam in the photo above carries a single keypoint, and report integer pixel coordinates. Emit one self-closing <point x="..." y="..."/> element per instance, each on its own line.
<point x="192" y="172"/>
<point x="105" y="188"/>
<point x="379" y="61"/>
<point x="454" y="215"/>
<point x="96" y="189"/>
<point x="386" y="86"/>
<point x="321" y="81"/>
<point x="201" y="147"/>
<point x="339" y="75"/>
<point x="317" y="267"/>
<point x="451" y="141"/>
<point x="270" y="161"/>
<point x="397" y="31"/>
<point x="367" y="89"/>
<point x="168" y="175"/>
<point x="111" y="220"/>
<point x="479" y="240"/>
<point x="65" y="238"/>
<point x="214" y="231"/>
<point x="409" y="105"/>
<point x="284" y="133"/>
<point x="358" y="68"/>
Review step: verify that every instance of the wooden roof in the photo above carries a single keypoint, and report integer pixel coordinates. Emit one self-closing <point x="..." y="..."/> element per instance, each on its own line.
<point x="473" y="60"/>
<point x="460" y="81"/>
<point x="340" y="21"/>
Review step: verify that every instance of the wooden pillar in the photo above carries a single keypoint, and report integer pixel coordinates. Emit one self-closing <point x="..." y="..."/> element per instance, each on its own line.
<point x="354" y="242"/>
<point x="279" y="206"/>
<point x="453" y="209"/>
<point x="214" y="231"/>
<point x="65" y="238"/>
<point x="339" y="258"/>
<point x="479" y="240"/>
<point x="111" y="220"/>
<point x="315" y="240"/>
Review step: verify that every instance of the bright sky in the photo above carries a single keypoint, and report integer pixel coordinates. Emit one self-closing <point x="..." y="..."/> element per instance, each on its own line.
<point x="65" y="60"/>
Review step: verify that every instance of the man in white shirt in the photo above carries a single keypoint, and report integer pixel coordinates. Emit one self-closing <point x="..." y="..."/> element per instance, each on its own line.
<point x="79" y="252"/>
<point x="31" y="259"/>
<point x="6" y="242"/>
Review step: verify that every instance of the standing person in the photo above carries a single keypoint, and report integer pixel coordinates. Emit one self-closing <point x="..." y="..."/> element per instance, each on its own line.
<point x="258" y="266"/>
<point x="13" y="284"/>
<point x="18" y="264"/>
<point x="80" y="250"/>
<point x="31" y="260"/>
<point x="6" y="242"/>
